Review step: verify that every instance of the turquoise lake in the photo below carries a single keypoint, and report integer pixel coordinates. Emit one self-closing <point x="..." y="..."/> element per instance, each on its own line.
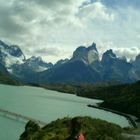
<point x="45" y="105"/>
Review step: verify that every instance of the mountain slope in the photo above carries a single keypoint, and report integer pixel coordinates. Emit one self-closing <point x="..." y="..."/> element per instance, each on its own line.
<point x="114" y="68"/>
<point x="13" y="59"/>
<point x="121" y="97"/>
<point x="71" y="71"/>
<point x="84" y="66"/>
<point x="28" y="70"/>
<point x="82" y="69"/>
<point x="36" y="64"/>
<point x="135" y="71"/>
<point x="5" y="78"/>
<point x="124" y="97"/>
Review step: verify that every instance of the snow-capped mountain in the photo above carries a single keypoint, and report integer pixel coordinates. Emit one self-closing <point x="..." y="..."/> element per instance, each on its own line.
<point x="28" y="70"/>
<point x="14" y="61"/>
<point x="37" y="64"/>
<point x="84" y="66"/>
<point x="10" y="54"/>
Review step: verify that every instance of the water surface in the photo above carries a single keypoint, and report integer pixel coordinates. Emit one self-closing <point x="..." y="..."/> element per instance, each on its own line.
<point x="46" y="105"/>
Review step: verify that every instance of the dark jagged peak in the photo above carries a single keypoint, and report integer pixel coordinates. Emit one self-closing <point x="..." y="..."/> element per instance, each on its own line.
<point x="80" y="54"/>
<point x="16" y="51"/>
<point x="86" y="49"/>
<point x="3" y="47"/>
<point x="93" y="47"/>
<point x="108" y="57"/>
<point x="81" y="49"/>
<point x="13" y="50"/>
<point x="137" y="57"/>
<point x="87" y="55"/>
<point x="136" y="62"/>
<point x="109" y="54"/>
<point x="61" y="62"/>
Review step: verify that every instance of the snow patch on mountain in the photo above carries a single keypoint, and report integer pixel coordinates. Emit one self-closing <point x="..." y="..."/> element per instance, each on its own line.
<point x="10" y="55"/>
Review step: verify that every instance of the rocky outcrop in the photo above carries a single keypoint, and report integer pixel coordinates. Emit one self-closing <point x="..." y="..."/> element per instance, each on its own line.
<point x="87" y="55"/>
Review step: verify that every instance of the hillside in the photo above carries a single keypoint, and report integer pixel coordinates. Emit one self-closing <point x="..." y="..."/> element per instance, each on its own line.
<point x="120" y="97"/>
<point x="68" y="128"/>
<point x="5" y="78"/>
<point x="124" y="98"/>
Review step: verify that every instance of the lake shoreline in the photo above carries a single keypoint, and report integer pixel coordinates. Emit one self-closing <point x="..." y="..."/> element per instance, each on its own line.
<point x="130" y="118"/>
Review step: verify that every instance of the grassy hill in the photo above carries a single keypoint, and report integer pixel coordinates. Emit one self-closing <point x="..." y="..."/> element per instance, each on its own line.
<point x="68" y="128"/>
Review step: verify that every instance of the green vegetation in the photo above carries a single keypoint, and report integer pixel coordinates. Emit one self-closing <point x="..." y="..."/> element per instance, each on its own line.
<point x="76" y="88"/>
<point x="68" y="128"/>
<point x="124" y="97"/>
<point x="6" y="79"/>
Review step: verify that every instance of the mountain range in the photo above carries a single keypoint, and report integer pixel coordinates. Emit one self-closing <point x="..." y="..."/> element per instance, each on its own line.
<point x="84" y="66"/>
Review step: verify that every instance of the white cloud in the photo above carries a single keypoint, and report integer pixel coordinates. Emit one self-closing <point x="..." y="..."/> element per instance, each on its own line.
<point x="131" y="53"/>
<point x="66" y="24"/>
<point x="96" y="11"/>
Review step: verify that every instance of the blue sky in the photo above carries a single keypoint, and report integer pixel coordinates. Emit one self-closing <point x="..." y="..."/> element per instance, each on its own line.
<point x="53" y="29"/>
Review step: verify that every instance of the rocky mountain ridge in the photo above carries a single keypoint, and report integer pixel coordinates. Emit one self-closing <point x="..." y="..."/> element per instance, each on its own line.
<point x="84" y="66"/>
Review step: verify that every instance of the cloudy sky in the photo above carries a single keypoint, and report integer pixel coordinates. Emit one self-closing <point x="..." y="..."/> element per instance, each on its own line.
<point x="53" y="29"/>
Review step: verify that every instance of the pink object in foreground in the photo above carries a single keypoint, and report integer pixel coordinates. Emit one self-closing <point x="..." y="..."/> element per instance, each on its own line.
<point x="81" y="136"/>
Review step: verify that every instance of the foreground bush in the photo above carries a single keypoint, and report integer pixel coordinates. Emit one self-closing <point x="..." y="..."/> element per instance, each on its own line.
<point x="68" y="128"/>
